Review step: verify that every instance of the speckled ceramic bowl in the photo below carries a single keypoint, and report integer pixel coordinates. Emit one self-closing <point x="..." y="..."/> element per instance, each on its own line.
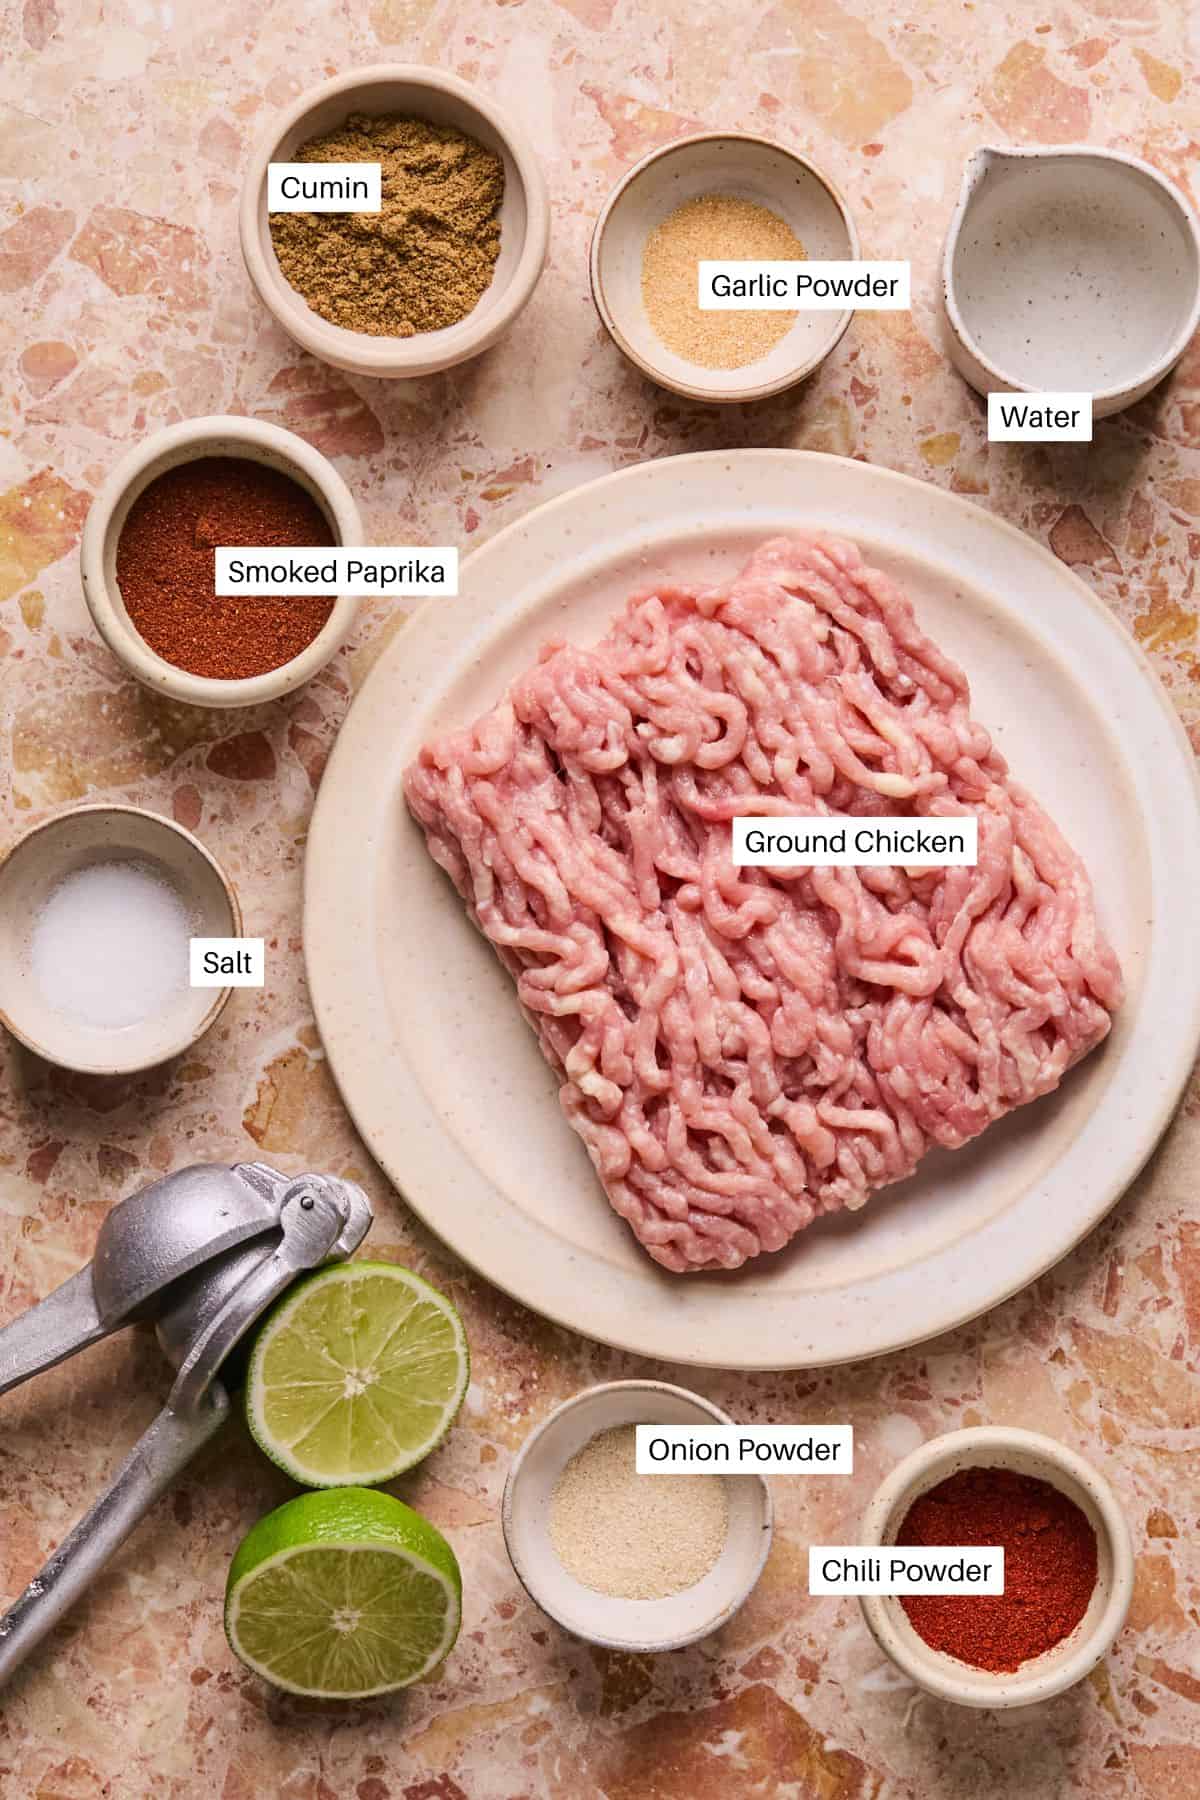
<point x="1003" y="1447"/>
<point x="441" y="98"/>
<point x="33" y="867"/>
<point x="1069" y="269"/>
<point x="221" y="435"/>
<point x="750" y="168"/>
<point x="637" y="1625"/>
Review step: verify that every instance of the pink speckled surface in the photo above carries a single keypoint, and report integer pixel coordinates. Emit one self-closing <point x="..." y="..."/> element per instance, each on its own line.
<point x="123" y="126"/>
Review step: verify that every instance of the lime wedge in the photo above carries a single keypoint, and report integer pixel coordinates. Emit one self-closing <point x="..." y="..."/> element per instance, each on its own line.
<point x="356" y="1374"/>
<point x="341" y="1595"/>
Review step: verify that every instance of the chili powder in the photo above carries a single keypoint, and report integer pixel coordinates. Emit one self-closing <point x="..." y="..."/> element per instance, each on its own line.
<point x="1050" y="1564"/>
<point x="166" y="566"/>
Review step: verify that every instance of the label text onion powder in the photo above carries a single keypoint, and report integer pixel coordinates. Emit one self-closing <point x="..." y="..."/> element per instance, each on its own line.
<point x="635" y="1537"/>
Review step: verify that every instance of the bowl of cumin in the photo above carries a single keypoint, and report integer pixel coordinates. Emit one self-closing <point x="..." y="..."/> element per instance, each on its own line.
<point x="442" y="269"/>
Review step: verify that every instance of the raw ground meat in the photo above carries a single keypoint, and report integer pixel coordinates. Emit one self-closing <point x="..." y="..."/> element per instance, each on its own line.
<point x="742" y="1050"/>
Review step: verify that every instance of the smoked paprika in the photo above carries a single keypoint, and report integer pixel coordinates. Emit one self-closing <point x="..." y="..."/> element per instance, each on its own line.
<point x="1050" y="1564"/>
<point x="166" y="566"/>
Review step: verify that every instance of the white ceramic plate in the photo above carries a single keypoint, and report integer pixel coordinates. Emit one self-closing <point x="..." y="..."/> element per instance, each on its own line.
<point x="443" y="1077"/>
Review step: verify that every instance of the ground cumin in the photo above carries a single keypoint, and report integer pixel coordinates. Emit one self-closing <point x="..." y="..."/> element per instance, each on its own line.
<point x="166" y="566"/>
<point x="424" y="260"/>
<point x="1050" y="1566"/>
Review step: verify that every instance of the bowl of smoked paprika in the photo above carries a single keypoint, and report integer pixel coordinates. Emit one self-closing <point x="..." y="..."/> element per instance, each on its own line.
<point x="148" y="560"/>
<point x="1068" y="1566"/>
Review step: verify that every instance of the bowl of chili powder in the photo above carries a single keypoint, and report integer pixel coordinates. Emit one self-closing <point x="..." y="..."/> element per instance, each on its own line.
<point x="148" y="560"/>
<point x="1068" y="1566"/>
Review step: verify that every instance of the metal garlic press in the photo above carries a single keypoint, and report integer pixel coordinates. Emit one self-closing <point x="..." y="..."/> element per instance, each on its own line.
<point x="203" y="1252"/>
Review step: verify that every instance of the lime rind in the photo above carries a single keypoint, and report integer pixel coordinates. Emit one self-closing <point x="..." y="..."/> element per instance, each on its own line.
<point x="356" y="1374"/>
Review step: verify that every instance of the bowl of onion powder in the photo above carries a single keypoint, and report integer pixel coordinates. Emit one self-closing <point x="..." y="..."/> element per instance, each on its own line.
<point x="641" y="1562"/>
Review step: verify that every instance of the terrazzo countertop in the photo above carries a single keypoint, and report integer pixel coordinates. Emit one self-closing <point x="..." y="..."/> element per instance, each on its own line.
<point x="123" y="127"/>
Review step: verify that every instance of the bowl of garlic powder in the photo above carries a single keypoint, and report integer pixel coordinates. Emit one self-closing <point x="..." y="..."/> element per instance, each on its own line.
<point x="723" y="197"/>
<point x="641" y="1562"/>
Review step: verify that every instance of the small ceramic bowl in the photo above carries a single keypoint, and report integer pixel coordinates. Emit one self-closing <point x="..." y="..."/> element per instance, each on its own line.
<point x="1069" y="270"/>
<point x="640" y="1625"/>
<point x="425" y="93"/>
<point x="1001" y="1447"/>
<point x="30" y="872"/>
<point x="221" y="435"/>
<point x="749" y="168"/>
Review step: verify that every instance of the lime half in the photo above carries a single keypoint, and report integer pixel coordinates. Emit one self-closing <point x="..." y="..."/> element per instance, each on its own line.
<point x="343" y="1594"/>
<point x="356" y="1374"/>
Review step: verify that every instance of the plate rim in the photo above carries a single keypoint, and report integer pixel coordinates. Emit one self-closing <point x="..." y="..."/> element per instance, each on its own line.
<point x="319" y="910"/>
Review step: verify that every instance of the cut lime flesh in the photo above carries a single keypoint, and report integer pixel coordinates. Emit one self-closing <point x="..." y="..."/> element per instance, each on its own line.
<point x="356" y="1374"/>
<point x="342" y="1595"/>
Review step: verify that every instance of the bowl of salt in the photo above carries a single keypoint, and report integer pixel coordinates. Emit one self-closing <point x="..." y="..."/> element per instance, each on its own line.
<point x="98" y="906"/>
<point x="632" y="1561"/>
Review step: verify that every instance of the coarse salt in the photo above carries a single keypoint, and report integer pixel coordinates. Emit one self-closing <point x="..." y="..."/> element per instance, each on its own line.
<point x="110" y="946"/>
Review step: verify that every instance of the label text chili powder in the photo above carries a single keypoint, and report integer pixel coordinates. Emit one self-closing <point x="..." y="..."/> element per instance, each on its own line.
<point x="1049" y="1566"/>
<point x="166" y="566"/>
